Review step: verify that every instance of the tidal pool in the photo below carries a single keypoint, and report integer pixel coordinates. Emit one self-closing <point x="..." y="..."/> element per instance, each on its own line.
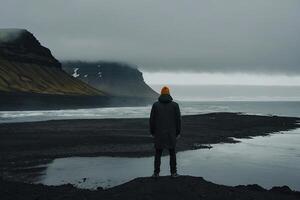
<point x="265" y="160"/>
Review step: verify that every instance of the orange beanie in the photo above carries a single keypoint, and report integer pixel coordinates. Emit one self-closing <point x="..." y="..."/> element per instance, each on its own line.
<point x="165" y="90"/>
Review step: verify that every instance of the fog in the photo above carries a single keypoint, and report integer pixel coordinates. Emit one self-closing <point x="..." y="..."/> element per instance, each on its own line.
<point x="245" y="36"/>
<point x="8" y="35"/>
<point x="232" y="92"/>
<point x="185" y="78"/>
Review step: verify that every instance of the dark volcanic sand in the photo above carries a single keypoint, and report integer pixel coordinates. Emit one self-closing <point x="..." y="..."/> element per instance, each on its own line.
<point x="163" y="188"/>
<point x="27" y="144"/>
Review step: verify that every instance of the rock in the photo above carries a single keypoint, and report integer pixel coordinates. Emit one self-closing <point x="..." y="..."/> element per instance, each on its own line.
<point x="253" y="187"/>
<point x="281" y="189"/>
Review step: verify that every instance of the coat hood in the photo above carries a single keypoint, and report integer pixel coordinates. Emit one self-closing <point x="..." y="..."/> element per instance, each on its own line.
<point x="165" y="98"/>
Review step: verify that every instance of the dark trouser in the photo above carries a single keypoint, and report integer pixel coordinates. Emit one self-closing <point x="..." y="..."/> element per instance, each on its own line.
<point x="158" y="153"/>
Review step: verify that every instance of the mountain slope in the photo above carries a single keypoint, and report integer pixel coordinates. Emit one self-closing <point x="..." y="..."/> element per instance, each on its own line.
<point x="116" y="79"/>
<point x="27" y="66"/>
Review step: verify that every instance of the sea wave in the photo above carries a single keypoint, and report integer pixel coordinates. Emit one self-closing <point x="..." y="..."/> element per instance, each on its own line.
<point x="187" y="108"/>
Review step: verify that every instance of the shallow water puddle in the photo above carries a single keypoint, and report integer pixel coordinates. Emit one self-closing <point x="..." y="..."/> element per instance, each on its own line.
<point x="267" y="161"/>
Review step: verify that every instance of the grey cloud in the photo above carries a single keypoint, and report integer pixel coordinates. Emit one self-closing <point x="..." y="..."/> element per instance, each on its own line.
<point x="193" y="35"/>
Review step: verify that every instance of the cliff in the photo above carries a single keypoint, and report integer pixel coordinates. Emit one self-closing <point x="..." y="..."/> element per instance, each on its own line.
<point x="28" y="67"/>
<point x="115" y="79"/>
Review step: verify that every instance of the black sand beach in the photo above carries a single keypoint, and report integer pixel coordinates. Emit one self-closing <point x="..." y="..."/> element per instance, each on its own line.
<point x="163" y="188"/>
<point x="29" y="144"/>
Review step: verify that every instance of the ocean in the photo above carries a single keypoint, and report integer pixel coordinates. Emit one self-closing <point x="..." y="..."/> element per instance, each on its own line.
<point x="280" y="108"/>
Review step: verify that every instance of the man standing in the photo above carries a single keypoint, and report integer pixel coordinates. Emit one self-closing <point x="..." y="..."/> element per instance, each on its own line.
<point x="165" y="127"/>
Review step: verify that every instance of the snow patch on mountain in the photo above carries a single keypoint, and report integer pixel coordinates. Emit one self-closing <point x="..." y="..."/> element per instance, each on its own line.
<point x="75" y="74"/>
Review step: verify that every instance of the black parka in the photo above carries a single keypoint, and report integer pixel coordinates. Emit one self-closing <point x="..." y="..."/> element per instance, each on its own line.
<point x="165" y="122"/>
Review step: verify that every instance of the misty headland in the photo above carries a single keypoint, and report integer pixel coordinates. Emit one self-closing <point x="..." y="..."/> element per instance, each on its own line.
<point x="31" y="78"/>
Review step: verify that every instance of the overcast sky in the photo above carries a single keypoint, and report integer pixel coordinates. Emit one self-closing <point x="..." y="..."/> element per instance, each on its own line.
<point x="256" y="36"/>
